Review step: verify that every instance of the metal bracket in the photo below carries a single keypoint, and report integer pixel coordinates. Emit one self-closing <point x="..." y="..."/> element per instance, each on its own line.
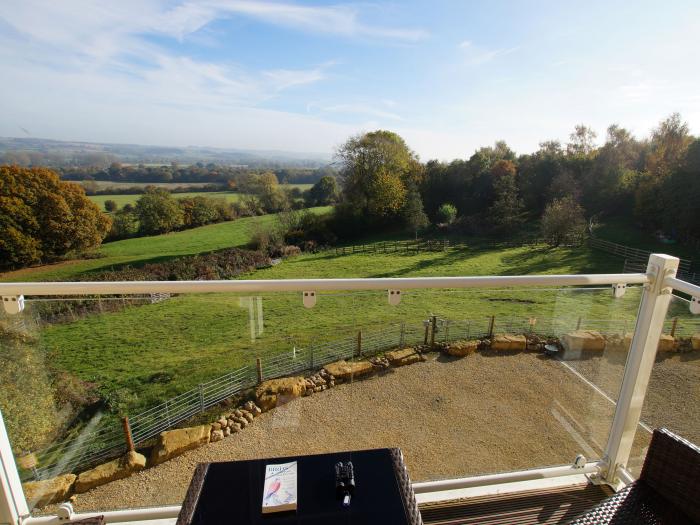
<point x="394" y="297"/>
<point x="309" y="299"/>
<point x="695" y="305"/>
<point x="619" y="290"/>
<point x="13" y="304"/>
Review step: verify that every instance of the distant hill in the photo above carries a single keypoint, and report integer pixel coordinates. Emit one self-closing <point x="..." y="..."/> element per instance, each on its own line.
<point x="26" y="151"/>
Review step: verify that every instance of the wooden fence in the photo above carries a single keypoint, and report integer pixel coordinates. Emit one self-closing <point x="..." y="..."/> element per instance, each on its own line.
<point x="633" y="255"/>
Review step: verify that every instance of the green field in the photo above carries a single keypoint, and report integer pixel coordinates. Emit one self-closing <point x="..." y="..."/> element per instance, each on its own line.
<point x="143" y="250"/>
<point x="190" y="339"/>
<point x="121" y="200"/>
<point x="193" y="338"/>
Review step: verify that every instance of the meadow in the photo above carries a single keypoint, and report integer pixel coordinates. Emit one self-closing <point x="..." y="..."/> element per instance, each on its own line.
<point x="142" y="250"/>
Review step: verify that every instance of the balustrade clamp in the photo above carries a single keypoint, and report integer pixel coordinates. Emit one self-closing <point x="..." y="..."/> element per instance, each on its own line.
<point x="13" y="304"/>
<point x="619" y="290"/>
<point x="394" y="297"/>
<point x="309" y="299"/>
<point x="695" y="305"/>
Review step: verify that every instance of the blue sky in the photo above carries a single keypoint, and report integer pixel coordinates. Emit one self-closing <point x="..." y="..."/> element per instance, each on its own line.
<point x="448" y="76"/>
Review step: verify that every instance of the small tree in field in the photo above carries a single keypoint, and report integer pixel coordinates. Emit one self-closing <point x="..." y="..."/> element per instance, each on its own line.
<point x="413" y="215"/>
<point x="446" y="213"/>
<point x="110" y="206"/>
<point x="562" y="218"/>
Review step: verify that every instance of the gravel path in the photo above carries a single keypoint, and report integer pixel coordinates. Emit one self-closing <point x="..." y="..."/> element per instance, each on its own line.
<point x="448" y="416"/>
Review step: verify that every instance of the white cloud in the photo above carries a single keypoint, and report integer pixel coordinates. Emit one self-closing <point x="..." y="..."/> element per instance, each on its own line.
<point x="356" y="109"/>
<point x="474" y="55"/>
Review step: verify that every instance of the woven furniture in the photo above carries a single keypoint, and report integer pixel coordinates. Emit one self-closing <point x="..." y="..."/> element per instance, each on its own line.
<point x="667" y="491"/>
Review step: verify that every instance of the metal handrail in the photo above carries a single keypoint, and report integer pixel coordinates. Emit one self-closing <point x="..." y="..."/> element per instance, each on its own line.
<point x="301" y="285"/>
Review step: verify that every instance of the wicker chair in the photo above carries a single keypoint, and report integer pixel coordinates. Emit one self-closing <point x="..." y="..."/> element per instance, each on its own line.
<point x="667" y="491"/>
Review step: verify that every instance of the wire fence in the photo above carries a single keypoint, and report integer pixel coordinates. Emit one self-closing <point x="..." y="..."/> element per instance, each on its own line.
<point x="101" y="443"/>
<point x="632" y="266"/>
<point x="634" y="255"/>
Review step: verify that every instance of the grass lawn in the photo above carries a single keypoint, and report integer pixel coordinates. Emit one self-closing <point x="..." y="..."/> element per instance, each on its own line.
<point x="194" y="338"/>
<point x="143" y="250"/>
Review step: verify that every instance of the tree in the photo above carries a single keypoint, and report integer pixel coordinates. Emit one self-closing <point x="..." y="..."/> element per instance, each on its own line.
<point x="507" y="209"/>
<point x="582" y="141"/>
<point x="42" y="217"/>
<point x="446" y="214"/>
<point x="324" y="192"/>
<point x="110" y="206"/>
<point x="376" y="169"/>
<point x="413" y="215"/>
<point x="158" y="212"/>
<point x="125" y="224"/>
<point x="668" y="145"/>
<point x="562" y="219"/>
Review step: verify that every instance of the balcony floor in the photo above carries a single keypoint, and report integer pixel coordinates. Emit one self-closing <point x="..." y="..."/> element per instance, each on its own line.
<point x="544" y="506"/>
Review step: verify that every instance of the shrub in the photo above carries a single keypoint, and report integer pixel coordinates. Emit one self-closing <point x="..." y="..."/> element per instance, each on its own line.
<point x="158" y="212"/>
<point x="110" y="206"/>
<point x="446" y="214"/>
<point x="562" y="220"/>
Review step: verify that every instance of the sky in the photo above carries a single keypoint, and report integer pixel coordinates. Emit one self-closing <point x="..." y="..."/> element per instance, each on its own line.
<point x="449" y="77"/>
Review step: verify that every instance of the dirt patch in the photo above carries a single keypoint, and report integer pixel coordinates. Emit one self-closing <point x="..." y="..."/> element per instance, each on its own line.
<point x="447" y="415"/>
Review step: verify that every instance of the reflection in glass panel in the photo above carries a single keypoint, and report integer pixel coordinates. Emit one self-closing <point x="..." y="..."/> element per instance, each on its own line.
<point x="481" y="394"/>
<point x="673" y="396"/>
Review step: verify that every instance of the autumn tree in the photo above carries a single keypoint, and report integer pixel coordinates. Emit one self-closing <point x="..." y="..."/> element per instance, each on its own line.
<point x="376" y="169"/>
<point x="43" y="218"/>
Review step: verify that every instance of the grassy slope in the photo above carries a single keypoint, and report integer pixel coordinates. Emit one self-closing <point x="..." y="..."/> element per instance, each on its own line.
<point x="197" y="337"/>
<point x="142" y="250"/>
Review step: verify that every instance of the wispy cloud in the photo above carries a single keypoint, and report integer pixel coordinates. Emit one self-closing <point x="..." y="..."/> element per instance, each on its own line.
<point x="474" y="55"/>
<point x="357" y="109"/>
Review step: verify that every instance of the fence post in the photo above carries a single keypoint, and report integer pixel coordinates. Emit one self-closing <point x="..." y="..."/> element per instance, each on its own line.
<point x="201" y="397"/>
<point x="640" y="361"/>
<point x="359" y="343"/>
<point x="433" y="324"/>
<point x="127" y="434"/>
<point x="167" y="414"/>
<point x="492" y="322"/>
<point x="258" y="366"/>
<point x="674" y="326"/>
<point x="578" y="324"/>
<point x="402" y="337"/>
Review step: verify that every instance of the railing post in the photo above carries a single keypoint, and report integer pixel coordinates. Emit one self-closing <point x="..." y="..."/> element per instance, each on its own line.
<point x="640" y="361"/>
<point x="13" y="505"/>
<point x="258" y="366"/>
<point x="130" y="447"/>
<point x="492" y="322"/>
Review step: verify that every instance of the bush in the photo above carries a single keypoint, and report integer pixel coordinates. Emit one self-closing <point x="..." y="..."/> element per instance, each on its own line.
<point x="110" y="206"/>
<point x="446" y="214"/>
<point x="563" y="220"/>
<point x="158" y="212"/>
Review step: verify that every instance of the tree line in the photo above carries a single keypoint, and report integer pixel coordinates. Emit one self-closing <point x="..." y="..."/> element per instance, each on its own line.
<point x="656" y="180"/>
<point x="219" y="174"/>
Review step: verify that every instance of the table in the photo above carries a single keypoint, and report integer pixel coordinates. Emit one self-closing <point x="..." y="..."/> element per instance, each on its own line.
<point x="231" y="492"/>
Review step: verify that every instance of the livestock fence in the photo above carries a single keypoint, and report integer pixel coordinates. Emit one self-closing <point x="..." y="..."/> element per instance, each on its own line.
<point x="99" y="442"/>
<point x="632" y="266"/>
<point x="633" y="255"/>
<point x="442" y="245"/>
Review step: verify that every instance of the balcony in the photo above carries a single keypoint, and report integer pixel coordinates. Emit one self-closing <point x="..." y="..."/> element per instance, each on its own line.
<point x="536" y="412"/>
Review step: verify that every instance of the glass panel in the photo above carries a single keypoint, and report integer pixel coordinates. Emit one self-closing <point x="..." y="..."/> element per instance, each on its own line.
<point x="673" y="396"/>
<point x="186" y="360"/>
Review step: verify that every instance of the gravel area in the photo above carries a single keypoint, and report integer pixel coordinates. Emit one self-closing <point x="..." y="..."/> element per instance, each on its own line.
<point x="486" y="413"/>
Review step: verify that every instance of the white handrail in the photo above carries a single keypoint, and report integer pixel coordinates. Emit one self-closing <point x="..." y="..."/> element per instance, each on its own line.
<point x="300" y="285"/>
<point x="682" y="286"/>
